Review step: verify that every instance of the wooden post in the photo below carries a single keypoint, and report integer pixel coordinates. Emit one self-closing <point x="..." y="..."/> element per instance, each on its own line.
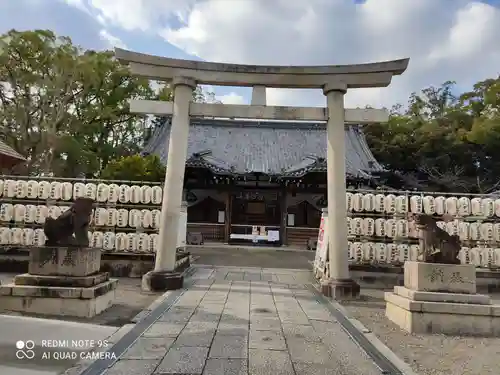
<point x="229" y="200"/>
<point x="284" y="217"/>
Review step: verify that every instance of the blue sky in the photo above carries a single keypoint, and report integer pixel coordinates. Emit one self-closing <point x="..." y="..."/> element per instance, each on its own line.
<point x="445" y="39"/>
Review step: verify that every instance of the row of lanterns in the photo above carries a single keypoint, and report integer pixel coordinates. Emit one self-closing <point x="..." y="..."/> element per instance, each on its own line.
<point x="370" y="252"/>
<point x="146" y="194"/>
<point x="109" y="217"/>
<point x="108" y="241"/>
<point x="67" y="191"/>
<point x="394" y="204"/>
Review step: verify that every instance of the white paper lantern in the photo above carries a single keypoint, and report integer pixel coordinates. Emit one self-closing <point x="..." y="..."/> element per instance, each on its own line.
<point x="380" y="228"/>
<point x="9" y="188"/>
<point x="156" y="216"/>
<point x="91" y="190"/>
<point x="108" y="242"/>
<point x="381" y="252"/>
<point x="156" y="194"/>
<point x="55" y="190"/>
<point x="114" y="193"/>
<point x="487" y="256"/>
<point x="392" y="253"/>
<point x="488" y="207"/>
<point x="464" y="231"/>
<point x="401" y="204"/>
<point x="390" y="204"/>
<point x="497" y="256"/>
<point x="66" y="191"/>
<point x="352" y="253"/>
<point x="369" y="252"/>
<point x="121" y="242"/>
<point x="21" y="189"/>
<point x="497" y="207"/>
<point x="357" y="202"/>
<point x="368" y="202"/>
<point x="79" y="190"/>
<point x="474" y="231"/>
<point x="451" y="206"/>
<point x="464" y="207"/>
<point x="43" y="190"/>
<point x="124" y="194"/>
<point x="134" y="218"/>
<point x="368" y="226"/>
<point x="4" y="236"/>
<point x="429" y="205"/>
<point x="146" y="218"/>
<point x="146" y="194"/>
<point x="153" y="241"/>
<point x="390" y="228"/>
<point x="39" y="237"/>
<point x="6" y="212"/>
<point x="348" y="202"/>
<point x="401" y="228"/>
<point x="135" y="194"/>
<point x="486" y="231"/>
<point x="111" y="220"/>
<point x="414" y="252"/>
<point x="379" y="203"/>
<point x="101" y="216"/>
<point x="97" y="240"/>
<point x="476" y="207"/>
<point x="32" y="189"/>
<point x="19" y="212"/>
<point x="122" y="218"/>
<point x="143" y="243"/>
<point x="496" y="232"/>
<point x="439" y="204"/>
<point x="404" y="252"/>
<point x="416" y="204"/>
<point x="350" y="227"/>
<point x="16" y="236"/>
<point x="441" y="225"/>
<point x="29" y="213"/>
<point x="102" y="192"/>
<point x="358" y="252"/>
<point x="132" y="242"/>
<point x="475" y="256"/>
<point x="464" y="255"/>
<point x="41" y="214"/>
<point x="28" y="237"/>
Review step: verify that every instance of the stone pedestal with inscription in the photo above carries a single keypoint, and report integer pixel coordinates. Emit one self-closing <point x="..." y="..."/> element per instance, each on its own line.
<point x="61" y="281"/>
<point x="441" y="298"/>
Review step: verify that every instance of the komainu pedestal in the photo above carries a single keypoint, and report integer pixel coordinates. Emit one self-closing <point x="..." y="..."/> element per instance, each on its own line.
<point x="441" y="298"/>
<point x="61" y="281"/>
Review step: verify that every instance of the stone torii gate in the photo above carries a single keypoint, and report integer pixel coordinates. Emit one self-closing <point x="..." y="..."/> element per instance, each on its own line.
<point x="334" y="80"/>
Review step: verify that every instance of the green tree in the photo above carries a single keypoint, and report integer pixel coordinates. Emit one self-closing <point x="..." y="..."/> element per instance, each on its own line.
<point x="64" y="108"/>
<point x="135" y="168"/>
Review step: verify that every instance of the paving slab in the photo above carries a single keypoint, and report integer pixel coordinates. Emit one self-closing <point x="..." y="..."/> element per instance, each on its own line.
<point x="242" y="324"/>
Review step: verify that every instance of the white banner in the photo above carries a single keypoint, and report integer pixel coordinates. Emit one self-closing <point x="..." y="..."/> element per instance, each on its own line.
<point x="322" y="246"/>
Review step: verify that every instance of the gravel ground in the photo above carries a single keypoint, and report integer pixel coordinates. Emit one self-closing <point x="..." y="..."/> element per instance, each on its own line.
<point x="129" y="301"/>
<point x="428" y="354"/>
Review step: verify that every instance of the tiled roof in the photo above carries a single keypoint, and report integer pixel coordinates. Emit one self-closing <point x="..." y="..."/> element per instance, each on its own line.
<point x="9" y="152"/>
<point x="273" y="148"/>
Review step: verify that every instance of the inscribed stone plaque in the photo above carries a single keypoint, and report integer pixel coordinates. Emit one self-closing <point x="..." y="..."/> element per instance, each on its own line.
<point x="64" y="261"/>
<point x="444" y="278"/>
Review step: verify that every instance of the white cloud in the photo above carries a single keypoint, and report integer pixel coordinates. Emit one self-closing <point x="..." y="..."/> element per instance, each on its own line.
<point x="446" y="40"/>
<point x="111" y="40"/>
<point x="231" y="98"/>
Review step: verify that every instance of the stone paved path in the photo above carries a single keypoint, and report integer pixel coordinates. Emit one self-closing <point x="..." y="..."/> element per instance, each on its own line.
<point x="245" y="321"/>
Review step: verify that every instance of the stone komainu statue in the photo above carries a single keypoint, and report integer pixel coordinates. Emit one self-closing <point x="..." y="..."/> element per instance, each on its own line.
<point x="437" y="245"/>
<point x="75" y="221"/>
